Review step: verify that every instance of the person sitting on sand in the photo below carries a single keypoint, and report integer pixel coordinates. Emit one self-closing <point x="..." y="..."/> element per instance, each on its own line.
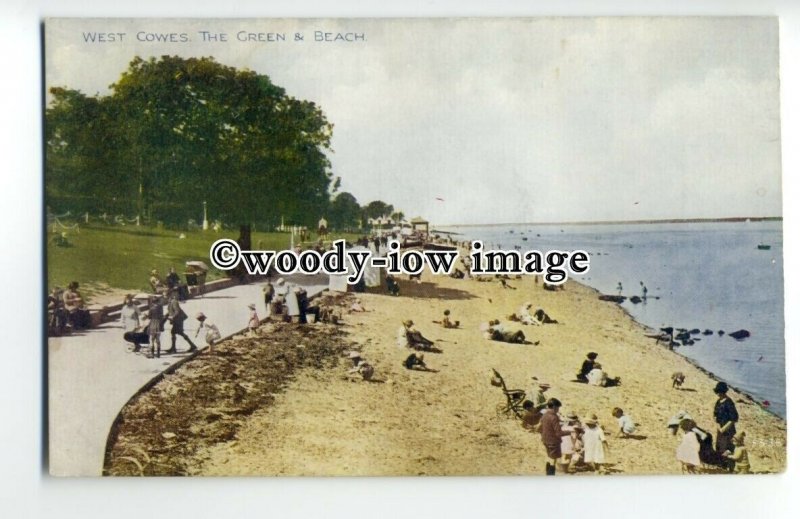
<point x="677" y="379"/>
<point x="416" y="361"/>
<point x="542" y="317"/>
<point x="739" y="454"/>
<point x="626" y="425"/>
<point x="594" y="445"/>
<point x="212" y="334"/>
<point x="446" y="322"/>
<point x="364" y="369"/>
<point x="530" y="416"/>
<point x="598" y="377"/>
<point x="586" y="367"/>
<point x="414" y="339"/>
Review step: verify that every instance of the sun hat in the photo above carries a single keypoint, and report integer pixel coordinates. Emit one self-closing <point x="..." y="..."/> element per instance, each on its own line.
<point x="544" y="385"/>
<point x="408" y="322"/>
<point x="354" y="355"/>
<point x="280" y="281"/>
<point x="251" y="306"/>
<point x="590" y="420"/>
<point x="200" y="316"/>
<point x="572" y="415"/>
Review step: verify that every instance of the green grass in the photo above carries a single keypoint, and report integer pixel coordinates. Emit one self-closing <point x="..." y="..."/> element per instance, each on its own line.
<point x="122" y="257"/>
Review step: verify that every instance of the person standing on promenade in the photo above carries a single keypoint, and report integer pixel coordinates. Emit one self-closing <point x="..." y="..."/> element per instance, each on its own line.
<point x="254" y="322"/>
<point x="726" y="416"/>
<point x="156" y="315"/>
<point x="551" y="435"/>
<point x="177" y="316"/>
<point x="212" y="332"/>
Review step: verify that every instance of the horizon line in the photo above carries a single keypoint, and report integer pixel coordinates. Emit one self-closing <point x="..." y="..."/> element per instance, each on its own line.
<point x="733" y="219"/>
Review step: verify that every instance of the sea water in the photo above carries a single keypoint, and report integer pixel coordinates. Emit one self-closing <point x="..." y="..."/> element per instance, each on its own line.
<point x="698" y="275"/>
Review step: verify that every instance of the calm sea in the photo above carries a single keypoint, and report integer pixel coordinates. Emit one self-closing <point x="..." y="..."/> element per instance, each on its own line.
<point x="699" y="275"/>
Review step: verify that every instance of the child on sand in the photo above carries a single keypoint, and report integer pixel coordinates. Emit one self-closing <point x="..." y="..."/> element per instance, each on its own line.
<point x="739" y="454"/>
<point x="626" y="425"/>
<point x="594" y="445"/>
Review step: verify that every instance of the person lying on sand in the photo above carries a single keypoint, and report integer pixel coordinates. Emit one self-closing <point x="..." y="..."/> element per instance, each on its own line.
<point x="497" y="333"/>
<point x="414" y="338"/>
<point x="542" y="317"/>
<point x="524" y="315"/>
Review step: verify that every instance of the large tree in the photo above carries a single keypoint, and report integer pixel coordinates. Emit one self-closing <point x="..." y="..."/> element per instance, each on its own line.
<point x="175" y="132"/>
<point x="344" y="212"/>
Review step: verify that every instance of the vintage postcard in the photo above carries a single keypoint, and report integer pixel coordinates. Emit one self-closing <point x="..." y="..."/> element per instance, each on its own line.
<point x="500" y="246"/>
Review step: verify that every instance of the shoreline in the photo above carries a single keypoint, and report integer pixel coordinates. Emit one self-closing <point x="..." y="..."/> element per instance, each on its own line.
<point x="445" y="423"/>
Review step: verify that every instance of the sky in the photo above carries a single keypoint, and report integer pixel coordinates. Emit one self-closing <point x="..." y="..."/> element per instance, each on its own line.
<point x="467" y="121"/>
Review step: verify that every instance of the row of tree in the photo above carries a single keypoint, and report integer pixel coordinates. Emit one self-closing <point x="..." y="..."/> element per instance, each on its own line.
<point x="177" y="132"/>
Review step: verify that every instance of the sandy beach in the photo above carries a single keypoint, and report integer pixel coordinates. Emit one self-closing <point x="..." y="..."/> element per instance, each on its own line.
<point x="320" y="422"/>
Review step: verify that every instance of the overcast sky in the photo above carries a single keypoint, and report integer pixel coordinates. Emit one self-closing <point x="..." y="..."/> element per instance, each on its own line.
<point x="509" y="120"/>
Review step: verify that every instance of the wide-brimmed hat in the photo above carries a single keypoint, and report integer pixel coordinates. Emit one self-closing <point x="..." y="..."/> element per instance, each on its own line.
<point x="280" y="281"/>
<point x="572" y="415"/>
<point x="200" y="316"/>
<point x="721" y="388"/>
<point x="408" y="322"/>
<point x="354" y="355"/>
<point x="153" y="272"/>
<point x="251" y="306"/>
<point x="590" y="420"/>
<point x="544" y="385"/>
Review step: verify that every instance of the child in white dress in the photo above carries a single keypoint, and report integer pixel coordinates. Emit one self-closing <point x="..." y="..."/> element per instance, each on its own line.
<point x="594" y="445"/>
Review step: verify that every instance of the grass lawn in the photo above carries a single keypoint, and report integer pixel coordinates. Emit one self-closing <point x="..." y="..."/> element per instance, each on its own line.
<point x="114" y="257"/>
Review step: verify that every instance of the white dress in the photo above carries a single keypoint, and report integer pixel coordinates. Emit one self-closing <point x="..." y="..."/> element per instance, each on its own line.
<point x="292" y="306"/>
<point x="593" y="448"/>
<point x="689" y="450"/>
<point x="596" y="377"/>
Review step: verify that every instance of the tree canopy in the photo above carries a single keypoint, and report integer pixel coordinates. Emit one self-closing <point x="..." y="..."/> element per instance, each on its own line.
<point x="175" y="132"/>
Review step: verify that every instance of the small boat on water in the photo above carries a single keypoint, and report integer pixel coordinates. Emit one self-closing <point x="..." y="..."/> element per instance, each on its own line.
<point x="763" y="246"/>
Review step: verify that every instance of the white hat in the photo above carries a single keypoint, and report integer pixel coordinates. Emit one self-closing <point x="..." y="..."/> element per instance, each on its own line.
<point x="280" y="281"/>
<point x="354" y="355"/>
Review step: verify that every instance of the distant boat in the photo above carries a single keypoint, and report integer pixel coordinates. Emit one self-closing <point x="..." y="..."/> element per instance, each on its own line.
<point x="762" y="246"/>
<point x="524" y="238"/>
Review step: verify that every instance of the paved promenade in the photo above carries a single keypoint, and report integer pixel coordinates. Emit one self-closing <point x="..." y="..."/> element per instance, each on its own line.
<point x="92" y="374"/>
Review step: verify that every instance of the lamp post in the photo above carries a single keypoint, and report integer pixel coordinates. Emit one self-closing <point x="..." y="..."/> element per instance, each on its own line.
<point x="205" y="216"/>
